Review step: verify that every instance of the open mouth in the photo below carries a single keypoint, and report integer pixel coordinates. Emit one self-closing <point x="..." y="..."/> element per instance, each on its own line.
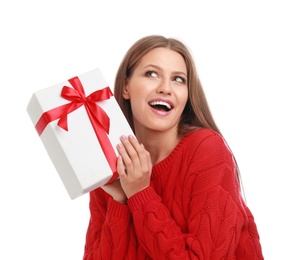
<point x="161" y="105"/>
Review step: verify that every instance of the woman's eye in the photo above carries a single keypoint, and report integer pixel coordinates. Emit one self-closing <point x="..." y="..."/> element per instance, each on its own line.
<point x="151" y="74"/>
<point x="179" y="79"/>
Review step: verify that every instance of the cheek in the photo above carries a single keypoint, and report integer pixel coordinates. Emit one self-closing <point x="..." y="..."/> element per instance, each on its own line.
<point x="136" y="100"/>
<point x="183" y="97"/>
<point x="137" y="94"/>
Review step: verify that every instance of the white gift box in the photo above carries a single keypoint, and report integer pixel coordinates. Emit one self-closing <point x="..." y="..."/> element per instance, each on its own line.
<point x="77" y="154"/>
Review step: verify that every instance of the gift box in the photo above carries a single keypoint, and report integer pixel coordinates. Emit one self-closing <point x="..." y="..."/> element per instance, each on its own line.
<point x="80" y="122"/>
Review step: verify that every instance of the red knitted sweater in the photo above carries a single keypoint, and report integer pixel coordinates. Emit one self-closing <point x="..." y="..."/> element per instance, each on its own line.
<point x="192" y="209"/>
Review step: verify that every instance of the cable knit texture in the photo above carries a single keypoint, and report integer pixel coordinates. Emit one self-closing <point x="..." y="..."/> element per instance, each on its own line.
<point x="192" y="209"/>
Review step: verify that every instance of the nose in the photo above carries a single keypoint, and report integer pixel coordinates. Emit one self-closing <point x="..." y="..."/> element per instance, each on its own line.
<point x="164" y="87"/>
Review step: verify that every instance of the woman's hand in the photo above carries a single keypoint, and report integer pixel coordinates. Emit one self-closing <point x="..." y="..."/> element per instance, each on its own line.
<point x="134" y="165"/>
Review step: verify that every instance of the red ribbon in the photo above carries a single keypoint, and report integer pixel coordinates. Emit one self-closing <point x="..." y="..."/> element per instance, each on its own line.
<point x="99" y="119"/>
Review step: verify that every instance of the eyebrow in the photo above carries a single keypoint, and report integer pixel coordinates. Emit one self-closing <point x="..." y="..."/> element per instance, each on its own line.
<point x="159" y="68"/>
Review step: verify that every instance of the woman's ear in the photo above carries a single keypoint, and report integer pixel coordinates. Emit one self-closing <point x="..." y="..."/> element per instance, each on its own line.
<point x="126" y="92"/>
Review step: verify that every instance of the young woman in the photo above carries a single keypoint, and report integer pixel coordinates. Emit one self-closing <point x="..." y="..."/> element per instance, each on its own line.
<point x="178" y="194"/>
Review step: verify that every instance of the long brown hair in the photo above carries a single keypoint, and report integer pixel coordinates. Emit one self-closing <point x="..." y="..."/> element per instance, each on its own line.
<point x="196" y="113"/>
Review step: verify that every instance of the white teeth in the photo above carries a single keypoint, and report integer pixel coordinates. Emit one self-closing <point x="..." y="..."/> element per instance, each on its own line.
<point x="155" y="103"/>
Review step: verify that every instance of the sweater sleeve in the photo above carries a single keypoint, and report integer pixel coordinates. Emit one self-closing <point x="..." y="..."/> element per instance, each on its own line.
<point x="215" y="215"/>
<point x="109" y="228"/>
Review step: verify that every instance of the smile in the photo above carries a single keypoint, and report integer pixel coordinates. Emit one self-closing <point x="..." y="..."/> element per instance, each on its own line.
<point x="161" y="105"/>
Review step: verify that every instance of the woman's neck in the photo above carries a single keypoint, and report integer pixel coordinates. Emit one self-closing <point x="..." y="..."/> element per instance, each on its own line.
<point x="158" y="144"/>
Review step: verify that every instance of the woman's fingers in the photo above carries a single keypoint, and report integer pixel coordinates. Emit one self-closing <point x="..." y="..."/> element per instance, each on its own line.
<point x="134" y="165"/>
<point x="129" y="153"/>
<point x="134" y="156"/>
<point x="121" y="167"/>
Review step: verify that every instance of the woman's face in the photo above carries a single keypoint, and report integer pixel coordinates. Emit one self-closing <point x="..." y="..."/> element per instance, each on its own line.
<point x="158" y="90"/>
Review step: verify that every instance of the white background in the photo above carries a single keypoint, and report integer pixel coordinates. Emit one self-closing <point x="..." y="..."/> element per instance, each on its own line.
<point x="240" y="50"/>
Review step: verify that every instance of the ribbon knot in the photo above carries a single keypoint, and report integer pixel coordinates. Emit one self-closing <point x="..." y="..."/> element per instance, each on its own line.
<point x="77" y="98"/>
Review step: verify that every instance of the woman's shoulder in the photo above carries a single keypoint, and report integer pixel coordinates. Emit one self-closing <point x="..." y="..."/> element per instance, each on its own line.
<point x="205" y="143"/>
<point x="202" y="135"/>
